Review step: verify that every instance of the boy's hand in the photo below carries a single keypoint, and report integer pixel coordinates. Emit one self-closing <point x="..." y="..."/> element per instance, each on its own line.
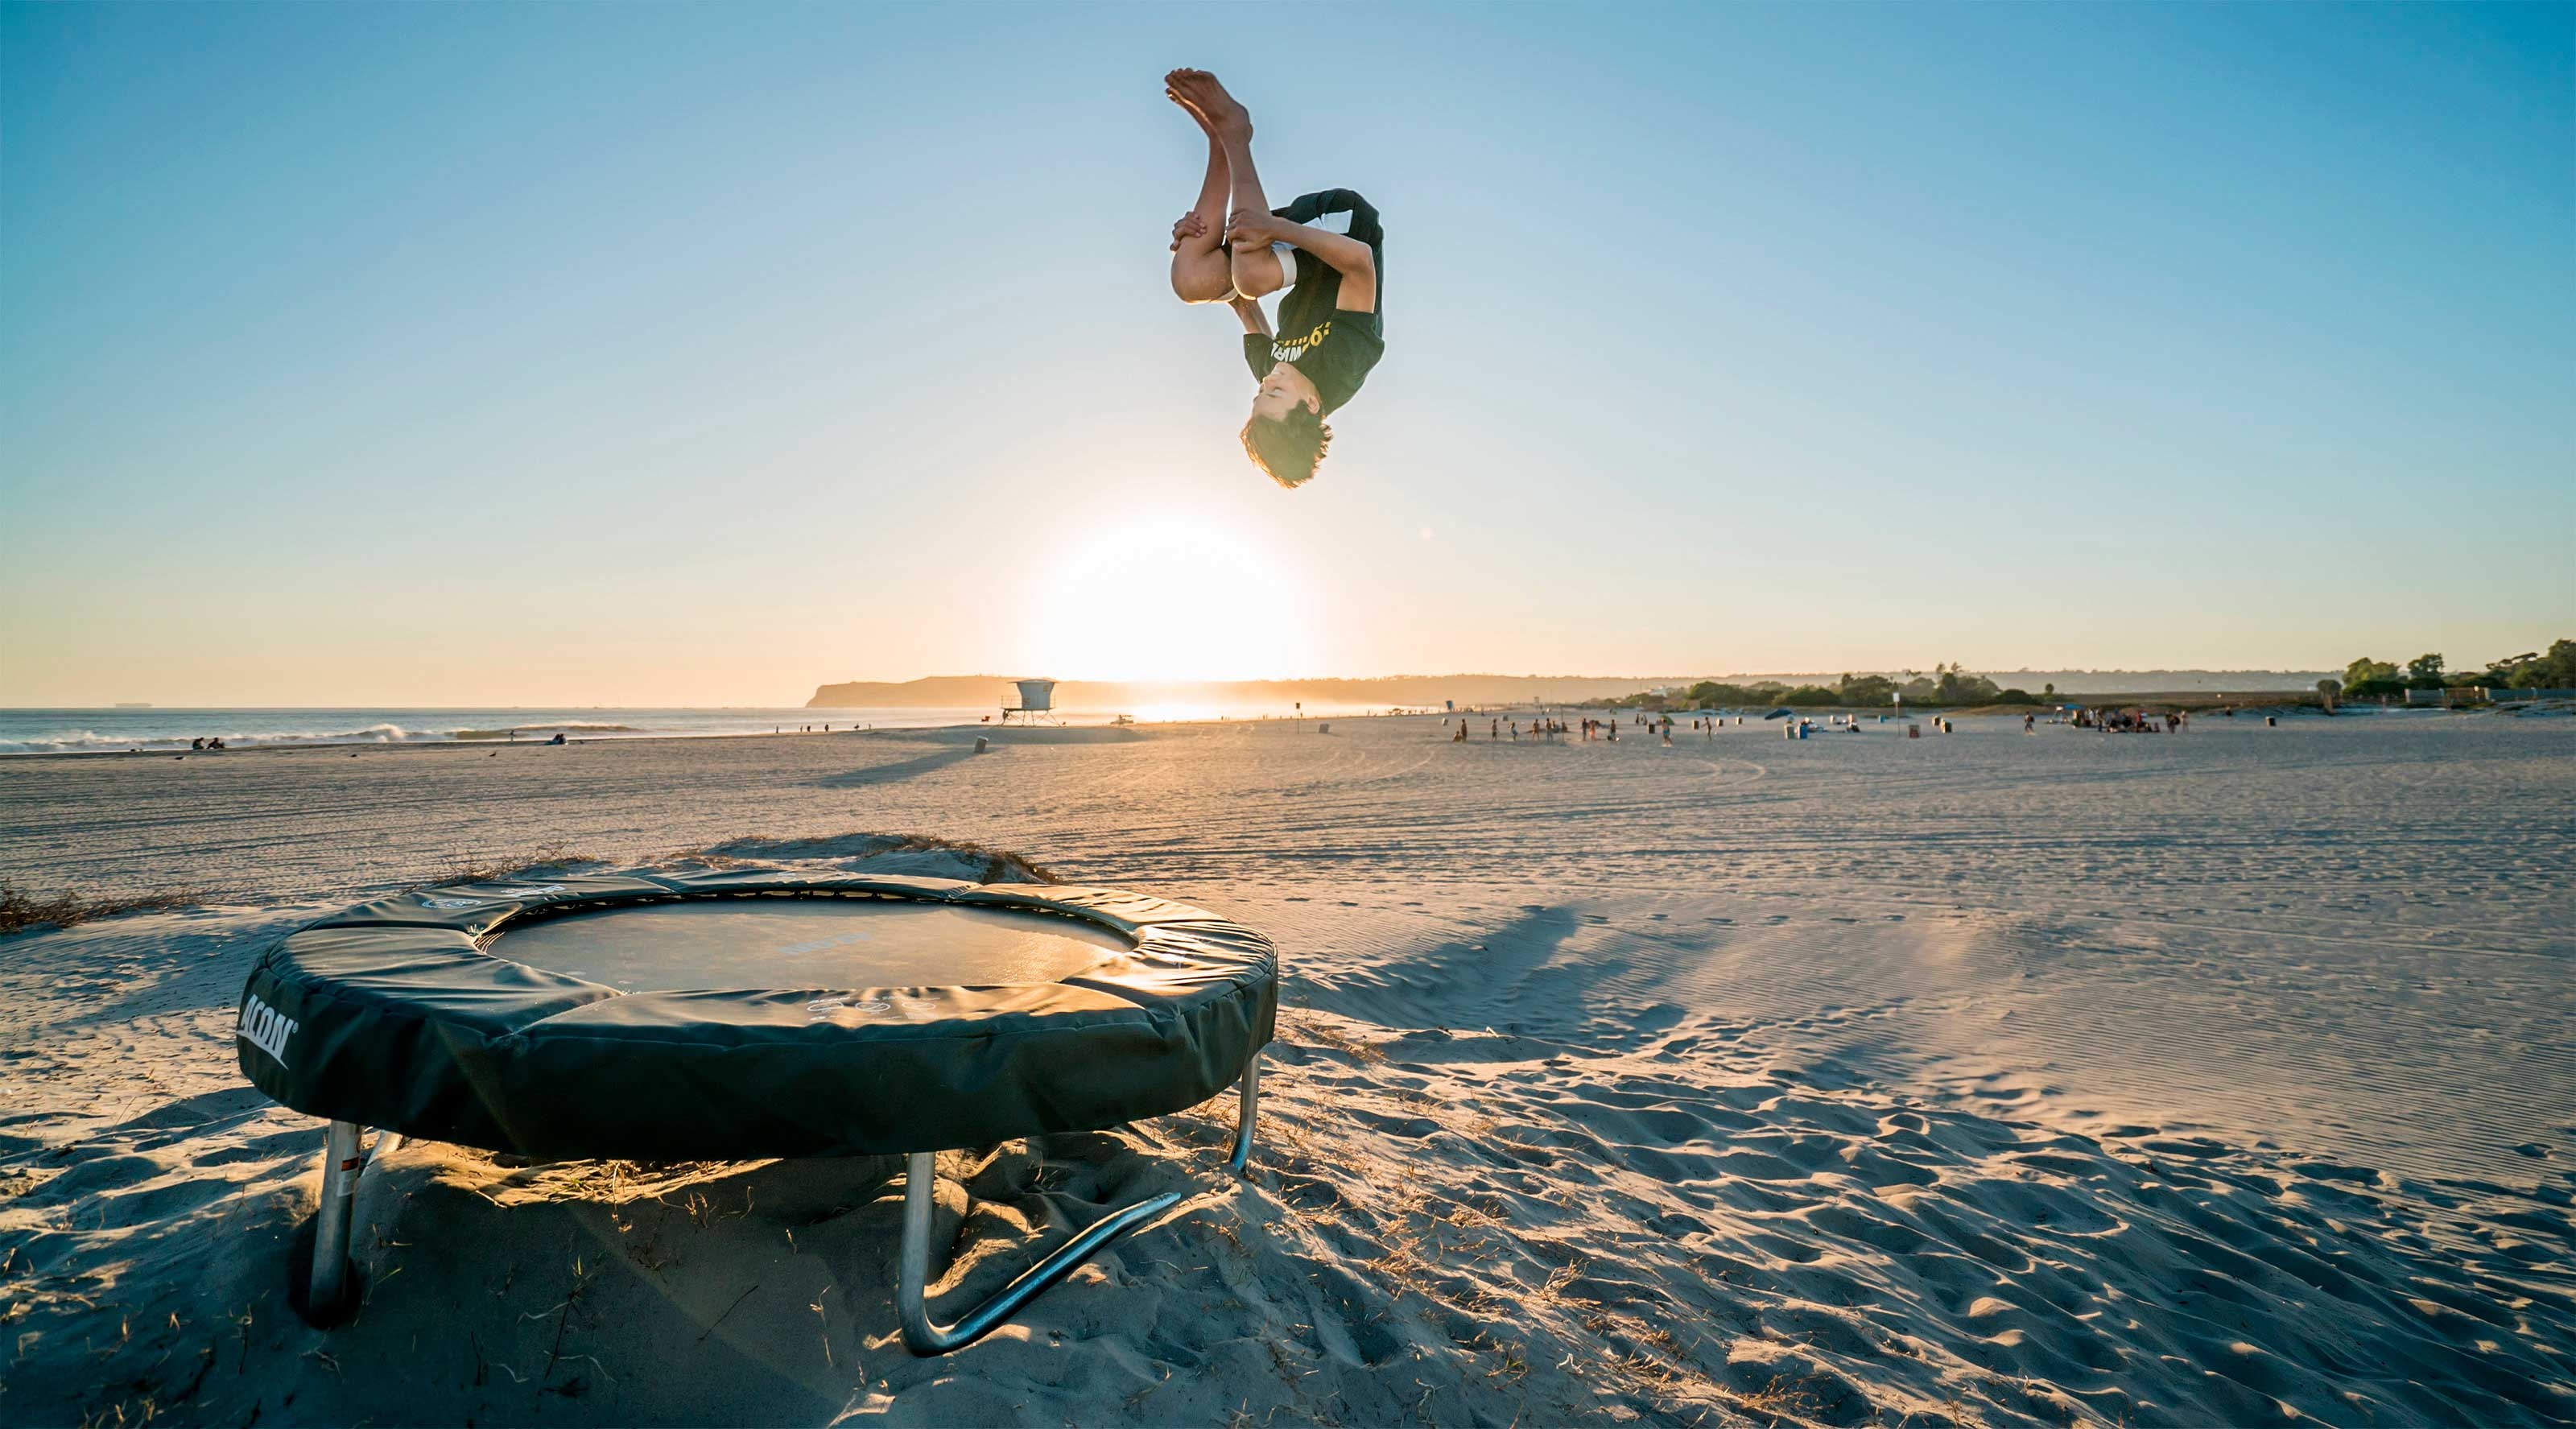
<point x="1187" y="226"/>
<point x="1251" y="225"/>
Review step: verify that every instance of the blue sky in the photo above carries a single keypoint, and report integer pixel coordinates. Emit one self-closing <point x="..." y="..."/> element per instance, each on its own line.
<point x="702" y="353"/>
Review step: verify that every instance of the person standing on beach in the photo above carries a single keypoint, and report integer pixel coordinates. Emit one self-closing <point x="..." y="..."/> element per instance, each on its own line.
<point x="1323" y="249"/>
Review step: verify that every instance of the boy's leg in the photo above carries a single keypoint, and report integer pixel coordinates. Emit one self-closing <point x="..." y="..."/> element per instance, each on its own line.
<point x="1256" y="269"/>
<point x="1202" y="271"/>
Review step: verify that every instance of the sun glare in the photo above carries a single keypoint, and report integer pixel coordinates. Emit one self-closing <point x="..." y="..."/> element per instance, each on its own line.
<point x="1174" y="598"/>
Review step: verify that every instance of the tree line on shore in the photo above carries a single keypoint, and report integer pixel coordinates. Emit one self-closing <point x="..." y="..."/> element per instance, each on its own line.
<point x="2366" y="678"/>
<point x="1951" y="685"/>
<point x="1946" y="685"/>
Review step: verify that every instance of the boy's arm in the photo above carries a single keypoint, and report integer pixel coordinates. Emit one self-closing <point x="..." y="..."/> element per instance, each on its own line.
<point x="1255" y="321"/>
<point x="1344" y="254"/>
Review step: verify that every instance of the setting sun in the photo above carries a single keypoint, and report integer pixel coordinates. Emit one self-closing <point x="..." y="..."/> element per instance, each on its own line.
<point x="1173" y="598"/>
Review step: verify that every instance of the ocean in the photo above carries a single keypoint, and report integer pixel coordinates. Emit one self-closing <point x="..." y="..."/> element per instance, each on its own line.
<point x="118" y="731"/>
<point x="77" y="731"/>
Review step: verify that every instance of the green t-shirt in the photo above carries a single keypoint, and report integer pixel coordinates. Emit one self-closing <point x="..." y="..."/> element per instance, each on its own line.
<point x="1335" y="348"/>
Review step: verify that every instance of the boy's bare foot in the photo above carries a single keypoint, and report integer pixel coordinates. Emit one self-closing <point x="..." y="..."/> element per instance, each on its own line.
<point x="1191" y="110"/>
<point x="1197" y="91"/>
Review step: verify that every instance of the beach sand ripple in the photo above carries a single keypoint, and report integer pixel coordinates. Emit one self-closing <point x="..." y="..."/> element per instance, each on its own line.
<point x="1975" y="1080"/>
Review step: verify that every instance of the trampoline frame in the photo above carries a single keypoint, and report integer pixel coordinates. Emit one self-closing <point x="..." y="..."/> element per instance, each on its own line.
<point x="343" y="1163"/>
<point x="1166" y="933"/>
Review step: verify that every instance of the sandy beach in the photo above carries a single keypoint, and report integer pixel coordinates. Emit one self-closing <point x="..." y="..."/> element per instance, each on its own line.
<point x="1984" y="1078"/>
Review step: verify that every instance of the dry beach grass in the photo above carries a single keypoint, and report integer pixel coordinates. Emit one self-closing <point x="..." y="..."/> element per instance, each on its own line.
<point x="20" y="912"/>
<point x="1977" y="1079"/>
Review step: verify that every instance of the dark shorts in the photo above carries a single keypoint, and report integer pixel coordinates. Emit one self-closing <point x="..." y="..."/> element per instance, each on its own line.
<point x="1338" y="210"/>
<point x="1341" y="211"/>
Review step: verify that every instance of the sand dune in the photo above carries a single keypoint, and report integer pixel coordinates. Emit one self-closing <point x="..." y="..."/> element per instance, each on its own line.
<point x="2218" y="1078"/>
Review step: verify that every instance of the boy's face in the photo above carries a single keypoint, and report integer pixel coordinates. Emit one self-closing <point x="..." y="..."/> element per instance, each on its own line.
<point x="1277" y="398"/>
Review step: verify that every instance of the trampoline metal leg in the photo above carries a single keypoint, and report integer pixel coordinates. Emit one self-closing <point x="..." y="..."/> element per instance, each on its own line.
<point x="340" y="1167"/>
<point x="924" y="1336"/>
<point x="921" y="1335"/>
<point x="1249" y="1111"/>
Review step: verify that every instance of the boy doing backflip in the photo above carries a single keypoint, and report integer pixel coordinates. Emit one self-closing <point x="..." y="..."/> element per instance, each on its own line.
<point x="1323" y="250"/>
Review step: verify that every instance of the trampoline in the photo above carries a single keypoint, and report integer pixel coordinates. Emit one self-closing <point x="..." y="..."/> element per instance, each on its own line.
<point x="734" y="1015"/>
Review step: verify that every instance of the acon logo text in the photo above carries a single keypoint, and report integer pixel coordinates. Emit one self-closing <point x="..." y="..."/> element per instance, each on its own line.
<point x="264" y="1027"/>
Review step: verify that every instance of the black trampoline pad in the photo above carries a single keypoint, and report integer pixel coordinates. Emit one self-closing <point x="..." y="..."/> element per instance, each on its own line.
<point x="687" y="1014"/>
<point x="851" y="943"/>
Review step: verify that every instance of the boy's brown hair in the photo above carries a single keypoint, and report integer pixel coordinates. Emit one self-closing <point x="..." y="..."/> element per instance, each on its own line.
<point x="1288" y="450"/>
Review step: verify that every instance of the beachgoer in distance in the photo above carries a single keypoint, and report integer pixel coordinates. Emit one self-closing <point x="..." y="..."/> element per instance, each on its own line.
<point x="1323" y="250"/>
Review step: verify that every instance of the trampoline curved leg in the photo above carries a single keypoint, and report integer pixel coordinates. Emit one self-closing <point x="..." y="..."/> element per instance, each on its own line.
<point x="340" y="1167"/>
<point x="924" y="1336"/>
<point x="921" y="1334"/>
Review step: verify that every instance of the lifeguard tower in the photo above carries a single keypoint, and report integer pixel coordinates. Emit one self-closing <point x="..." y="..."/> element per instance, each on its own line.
<point x="1037" y="702"/>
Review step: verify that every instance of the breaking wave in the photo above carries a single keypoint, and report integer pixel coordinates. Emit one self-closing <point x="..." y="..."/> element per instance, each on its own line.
<point x="85" y="741"/>
<point x="89" y="741"/>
